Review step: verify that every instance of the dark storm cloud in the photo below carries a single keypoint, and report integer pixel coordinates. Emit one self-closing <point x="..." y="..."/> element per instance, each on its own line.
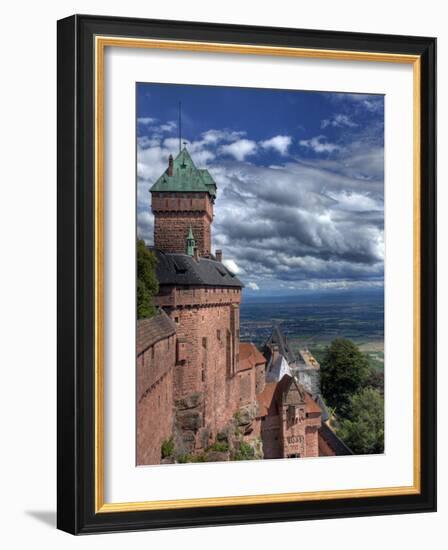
<point x="313" y="220"/>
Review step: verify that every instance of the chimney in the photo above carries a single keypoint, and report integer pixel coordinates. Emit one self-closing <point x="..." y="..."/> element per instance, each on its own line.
<point x="218" y="255"/>
<point x="170" y="165"/>
<point x="196" y="253"/>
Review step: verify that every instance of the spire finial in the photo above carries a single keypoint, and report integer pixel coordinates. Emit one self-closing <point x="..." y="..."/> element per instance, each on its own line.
<point x="190" y="243"/>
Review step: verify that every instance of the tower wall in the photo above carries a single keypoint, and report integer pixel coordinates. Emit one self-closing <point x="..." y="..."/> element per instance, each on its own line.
<point x="174" y="213"/>
<point x="205" y="374"/>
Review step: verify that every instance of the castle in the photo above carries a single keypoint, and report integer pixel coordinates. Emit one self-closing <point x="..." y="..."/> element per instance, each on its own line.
<point x="201" y="393"/>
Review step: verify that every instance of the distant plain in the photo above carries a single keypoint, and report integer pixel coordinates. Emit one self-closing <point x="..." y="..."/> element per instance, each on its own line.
<point x="312" y="320"/>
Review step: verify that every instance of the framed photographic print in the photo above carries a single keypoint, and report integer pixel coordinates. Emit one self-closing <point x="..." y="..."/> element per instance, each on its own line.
<point x="246" y="274"/>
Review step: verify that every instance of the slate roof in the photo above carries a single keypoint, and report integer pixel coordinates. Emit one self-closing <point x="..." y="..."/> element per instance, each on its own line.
<point x="277" y="369"/>
<point x="338" y="446"/>
<point x="186" y="177"/>
<point x="185" y="270"/>
<point x="323" y="407"/>
<point x="152" y="330"/>
<point x="277" y="337"/>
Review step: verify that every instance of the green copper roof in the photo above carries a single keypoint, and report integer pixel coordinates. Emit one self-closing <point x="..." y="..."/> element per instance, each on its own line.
<point x="190" y="235"/>
<point x="190" y="243"/>
<point x="186" y="177"/>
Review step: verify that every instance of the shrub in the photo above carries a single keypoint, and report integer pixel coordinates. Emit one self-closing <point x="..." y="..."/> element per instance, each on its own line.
<point x="184" y="459"/>
<point x="244" y="452"/>
<point x="363" y="430"/>
<point x="219" y="446"/>
<point x="167" y="448"/>
<point x="344" y="371"/>
<point x="147" y="284"/>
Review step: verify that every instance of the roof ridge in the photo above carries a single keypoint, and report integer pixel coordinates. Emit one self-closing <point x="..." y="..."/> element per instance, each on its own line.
<point x="185" y="177"/>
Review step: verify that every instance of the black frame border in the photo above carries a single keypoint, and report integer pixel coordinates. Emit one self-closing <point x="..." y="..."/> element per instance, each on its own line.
<point x="76" y="262"/>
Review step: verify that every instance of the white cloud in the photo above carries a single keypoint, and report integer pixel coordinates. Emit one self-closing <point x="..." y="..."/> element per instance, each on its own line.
<point x="239" y="149"/>
<point x="319" y="145"/>
<point x="214" y="136"/>
<point x="356" y="202"/>
<point x="338" y="121"/>
<point x="156" y="128"/>
<point x="279" y="143"/>
<point x="144" y="142"/>
<point x="232" y="266"/>
<point x="370" y="102"/>
<point x="168" y="127"/>
<point x="145" y="120"/>
<point x="151" y="162"/>
<point x="337" y="284"/>
<point x="373" y="105"/>
<point x="253" y="286"/>
<point x="145" y="226"/>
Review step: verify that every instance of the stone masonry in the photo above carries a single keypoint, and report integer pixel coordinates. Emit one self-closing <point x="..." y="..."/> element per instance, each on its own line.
<point x="173" y="218"/>
<point x="156" y="352"/>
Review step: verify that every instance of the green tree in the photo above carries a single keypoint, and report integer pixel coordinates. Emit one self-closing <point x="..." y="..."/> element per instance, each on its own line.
<point x="147" y="284"/>
<point x="363" y="431"/>
<point x="344" y="371"/>
<point x="376" y="380"/>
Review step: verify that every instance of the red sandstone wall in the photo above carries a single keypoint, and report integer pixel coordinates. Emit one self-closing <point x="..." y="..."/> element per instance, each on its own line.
<point x="307" y="431"/>
<point x="246" y="387"/>
<point x="282" y="438"/>
<point x="311" y="439"/>
<point x="182" y="202"/>
<point x="173" y="217"/>
<point x="209" y="352"/>
<point x="195" y="297"/>
<point x="260" y="378"/>
<point x="324" y="448"/>
<point x="154" y="399"/>
<point x="271" y="437"/>
<point x="293" y="434"/>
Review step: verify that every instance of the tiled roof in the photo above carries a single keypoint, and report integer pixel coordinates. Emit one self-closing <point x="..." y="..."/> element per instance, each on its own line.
<point x="249" y="356"/>
<point x="275" y="393"/>
<point x="312" y="406"/>
<point x="186" y="177"/>
<point x="184" y="270"/>
<point x="333" y="441"/>
<point x="154" y="329"/>
<point x="266" y="398"/>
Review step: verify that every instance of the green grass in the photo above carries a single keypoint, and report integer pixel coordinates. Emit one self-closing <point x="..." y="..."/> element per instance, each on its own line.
<point x="376" y="360"/>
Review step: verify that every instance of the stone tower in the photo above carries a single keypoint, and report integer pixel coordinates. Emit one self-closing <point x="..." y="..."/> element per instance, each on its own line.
<point x="182" y="202"/>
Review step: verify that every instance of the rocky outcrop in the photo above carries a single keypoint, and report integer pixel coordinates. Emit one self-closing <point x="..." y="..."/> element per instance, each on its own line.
<point x="246" y="417"/>
<point x="189" y="420"/>
<point x="217" y="456"/>
<point x="191" y="401"/>
<point x="193" y="442"/>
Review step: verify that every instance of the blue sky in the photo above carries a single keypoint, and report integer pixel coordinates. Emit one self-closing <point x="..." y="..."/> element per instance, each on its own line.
<point x="300" y="179"/>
